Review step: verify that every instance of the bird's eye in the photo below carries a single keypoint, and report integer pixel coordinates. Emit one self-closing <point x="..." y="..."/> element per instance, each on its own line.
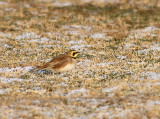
<point x="74" y="53"/>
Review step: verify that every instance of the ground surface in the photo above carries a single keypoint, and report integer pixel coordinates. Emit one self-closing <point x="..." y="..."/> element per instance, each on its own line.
<point x="118" y="70"/>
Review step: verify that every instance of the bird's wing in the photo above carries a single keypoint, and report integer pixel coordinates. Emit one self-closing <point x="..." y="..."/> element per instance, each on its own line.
<point x="59" y="63"/>
<point x="61" y="59"/>
<point x="54" y="62"/>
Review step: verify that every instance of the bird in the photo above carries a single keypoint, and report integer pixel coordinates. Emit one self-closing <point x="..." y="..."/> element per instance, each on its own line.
<point x="61" y="63"/>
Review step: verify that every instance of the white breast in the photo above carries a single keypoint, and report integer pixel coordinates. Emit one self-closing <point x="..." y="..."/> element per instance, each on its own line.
<point x="67" y="67"/>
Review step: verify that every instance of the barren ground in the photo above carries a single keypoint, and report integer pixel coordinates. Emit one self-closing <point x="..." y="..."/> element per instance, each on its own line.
<point x="117" y="75"/>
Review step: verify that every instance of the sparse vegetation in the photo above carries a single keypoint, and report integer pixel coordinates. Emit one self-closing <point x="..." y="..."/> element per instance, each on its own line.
<point x="118" y="71"/>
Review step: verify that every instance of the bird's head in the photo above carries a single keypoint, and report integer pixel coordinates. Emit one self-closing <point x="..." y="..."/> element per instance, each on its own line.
<point x="73" y="53"/>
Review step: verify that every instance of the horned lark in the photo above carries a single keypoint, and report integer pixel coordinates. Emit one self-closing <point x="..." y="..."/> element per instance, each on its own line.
<point x="61" y="63"/>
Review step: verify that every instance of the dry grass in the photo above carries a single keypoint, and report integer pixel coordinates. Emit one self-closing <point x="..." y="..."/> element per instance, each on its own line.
<point x="118" y="71"/>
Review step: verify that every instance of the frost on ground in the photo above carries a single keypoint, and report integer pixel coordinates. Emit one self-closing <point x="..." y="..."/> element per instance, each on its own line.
<point x="117" y="70"/>
<point x="77" y="91"/>
<point x="11" y="72"/>
<point x="98" y="36"/>
<point x="151" y="75"/>
<point x="86" y="69"/>
<point x="58" y="4"/>
<point x="9" y="80"/>
<point x="142" y="33"/>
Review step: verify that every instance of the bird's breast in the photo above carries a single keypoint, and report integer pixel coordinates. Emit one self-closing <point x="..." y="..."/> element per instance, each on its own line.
<point x="67" y="67"/>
